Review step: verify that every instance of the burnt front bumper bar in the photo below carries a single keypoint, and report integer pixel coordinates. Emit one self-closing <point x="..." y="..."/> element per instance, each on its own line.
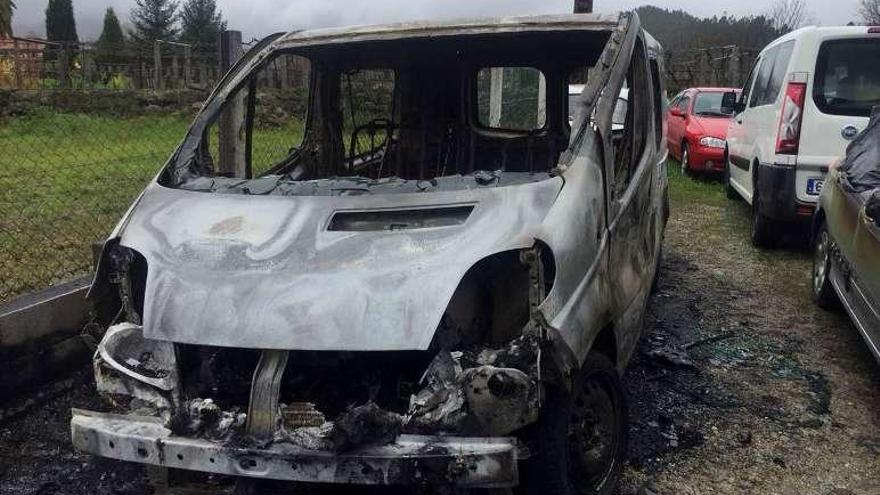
<point x="411" y="459"/>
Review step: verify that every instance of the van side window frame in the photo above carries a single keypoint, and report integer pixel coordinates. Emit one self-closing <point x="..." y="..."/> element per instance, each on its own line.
<point x="762" y="79"/>
<point x="634" y="142"/>
<point x="750" y="82"/>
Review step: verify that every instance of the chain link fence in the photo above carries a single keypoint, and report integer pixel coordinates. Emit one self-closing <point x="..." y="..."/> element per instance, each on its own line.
<point x="83" y="129"/>
<point x="722" y="66"/>
<point x="82" y="133"/>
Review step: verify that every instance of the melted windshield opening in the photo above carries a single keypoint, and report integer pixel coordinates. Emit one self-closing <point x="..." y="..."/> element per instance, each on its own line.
<point x="351" y="119"/>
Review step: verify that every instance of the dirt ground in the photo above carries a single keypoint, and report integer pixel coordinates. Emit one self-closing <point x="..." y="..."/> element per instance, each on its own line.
<point x="741" y="385"/>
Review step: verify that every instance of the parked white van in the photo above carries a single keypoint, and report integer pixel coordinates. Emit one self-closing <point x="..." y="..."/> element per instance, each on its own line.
<point x="809" y="94"/>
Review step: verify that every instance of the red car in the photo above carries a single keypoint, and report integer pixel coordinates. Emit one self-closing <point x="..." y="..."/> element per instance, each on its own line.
<point x="697" y="129"/>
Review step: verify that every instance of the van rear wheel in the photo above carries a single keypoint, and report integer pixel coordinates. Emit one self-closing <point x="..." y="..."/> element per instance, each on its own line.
<point x="763" y="227"/>
<point x="728" y="187"/>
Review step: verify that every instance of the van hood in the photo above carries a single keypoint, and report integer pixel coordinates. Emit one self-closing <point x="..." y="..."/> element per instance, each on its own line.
<point x="282" y="272"/>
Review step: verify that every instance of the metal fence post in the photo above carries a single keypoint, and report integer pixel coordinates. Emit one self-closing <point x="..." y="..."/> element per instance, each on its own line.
<point x="232" y="135"/>
<point x="158" y="83"/>
<point x="175" y="71"/>
<point x="64" y="66"/>
<point x="187" y="66"/>
<point x="734" y="64"/>
<point x="496" y="88"/>
<point x="18" y="62"/>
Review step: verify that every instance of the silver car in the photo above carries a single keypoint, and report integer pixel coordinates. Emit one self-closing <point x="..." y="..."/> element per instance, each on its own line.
<point x="384" y="255"/>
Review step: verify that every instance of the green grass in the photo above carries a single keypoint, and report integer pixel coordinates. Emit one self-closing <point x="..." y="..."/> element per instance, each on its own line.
<point x="66" y="179"/>
<point x="715" y="230"/>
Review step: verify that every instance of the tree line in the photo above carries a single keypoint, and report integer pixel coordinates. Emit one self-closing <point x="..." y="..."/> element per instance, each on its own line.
<point x="197" y="23"/>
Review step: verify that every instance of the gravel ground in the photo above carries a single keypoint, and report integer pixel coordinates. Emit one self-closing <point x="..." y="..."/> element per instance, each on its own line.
<point x="741" y="384"/>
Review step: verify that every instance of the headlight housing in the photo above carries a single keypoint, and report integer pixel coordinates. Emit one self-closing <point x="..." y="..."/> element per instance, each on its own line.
<point x="713" y="142"/>
<point x="127" y="364"/>
<point x="126" y="350"/>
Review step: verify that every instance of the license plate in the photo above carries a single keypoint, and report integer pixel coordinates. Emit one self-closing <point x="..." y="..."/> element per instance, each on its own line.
<point x="814" y="186"/>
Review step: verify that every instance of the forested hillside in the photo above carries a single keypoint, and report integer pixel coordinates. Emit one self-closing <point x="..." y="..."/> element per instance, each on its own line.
<point x="716" y="51"/>
<point x="677" y="30"/>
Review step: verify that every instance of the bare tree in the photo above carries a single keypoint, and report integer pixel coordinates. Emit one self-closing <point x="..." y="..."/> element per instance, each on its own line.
<point x="870" y="10"/>
<point x="788" y="15"/>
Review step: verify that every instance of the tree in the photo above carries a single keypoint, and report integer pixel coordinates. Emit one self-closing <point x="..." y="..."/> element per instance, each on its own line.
<point x="111" y="44"/>
<point x="201" y="24"/>
<point x="153" y="20"/>
<point x="60" y="24"/>
<point x="6" y="8"/>
<point x="788" y="15"/>
<point x="870" y="10"/>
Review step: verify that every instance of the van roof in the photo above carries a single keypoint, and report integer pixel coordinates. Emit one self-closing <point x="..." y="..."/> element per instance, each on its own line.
<point x="821" y="32"/>
<point x="452" y="28"/>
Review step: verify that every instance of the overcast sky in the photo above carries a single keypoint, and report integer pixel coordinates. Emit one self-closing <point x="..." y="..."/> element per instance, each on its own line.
<point x="256" y="18"/>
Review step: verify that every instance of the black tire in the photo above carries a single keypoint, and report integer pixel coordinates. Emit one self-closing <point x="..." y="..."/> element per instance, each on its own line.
<point x="729" y="191"/>
<point x="655" y="282"/>
<point x="823" y="292"/>
<point x="685" y="158"/>
<point x="764" y="229"/>
<point x="586" y="459"/>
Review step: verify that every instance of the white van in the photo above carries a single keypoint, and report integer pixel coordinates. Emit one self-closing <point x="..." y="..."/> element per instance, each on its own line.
<point x="809" y="94"/>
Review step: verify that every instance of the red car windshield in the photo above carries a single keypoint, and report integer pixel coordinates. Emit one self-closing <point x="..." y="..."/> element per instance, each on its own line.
<point x="708" y="104"/>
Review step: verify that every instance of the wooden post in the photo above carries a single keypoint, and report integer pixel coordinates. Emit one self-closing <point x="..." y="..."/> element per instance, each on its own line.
<point x="542" y="101"/>
<point x="187" y="66"/>
<point x="232" y="128"/>
<point x="733" y="69"/>
<point x="88" y="67"/>
<point x="19" y="64"/>
<point x="175" y="72"/>
<point x="283" y="67"/>
<point x="158" y="83"/>
<point x="496" y="87"/>
<point x="64" y="66"/>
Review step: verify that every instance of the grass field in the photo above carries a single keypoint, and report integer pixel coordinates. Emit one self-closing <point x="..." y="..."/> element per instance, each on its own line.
<point x="65" y="179"/>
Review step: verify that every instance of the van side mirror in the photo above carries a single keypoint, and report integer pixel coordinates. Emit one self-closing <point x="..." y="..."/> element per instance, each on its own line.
<point x="731" y="104"/>
<point x="676" y="112"/>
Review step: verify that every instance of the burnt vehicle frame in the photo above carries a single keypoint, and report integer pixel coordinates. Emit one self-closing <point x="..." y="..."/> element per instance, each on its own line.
<point x="454" y="309"/>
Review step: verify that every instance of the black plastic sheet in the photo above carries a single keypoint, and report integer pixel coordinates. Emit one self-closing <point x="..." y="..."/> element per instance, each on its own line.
<point x="861" y="168"/>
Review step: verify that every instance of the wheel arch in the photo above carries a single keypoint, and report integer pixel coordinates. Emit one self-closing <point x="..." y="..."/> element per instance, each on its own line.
<point x="818" y="220"/>
<point x="605" y="343"/>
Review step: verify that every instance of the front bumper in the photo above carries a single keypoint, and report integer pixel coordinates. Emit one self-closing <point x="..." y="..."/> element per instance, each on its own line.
<point x="412" y="459"/>
<point x="705" y="159"/>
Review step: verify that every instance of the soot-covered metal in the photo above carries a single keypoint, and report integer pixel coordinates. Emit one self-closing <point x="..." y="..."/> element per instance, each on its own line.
<point x="399" y="314"/>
